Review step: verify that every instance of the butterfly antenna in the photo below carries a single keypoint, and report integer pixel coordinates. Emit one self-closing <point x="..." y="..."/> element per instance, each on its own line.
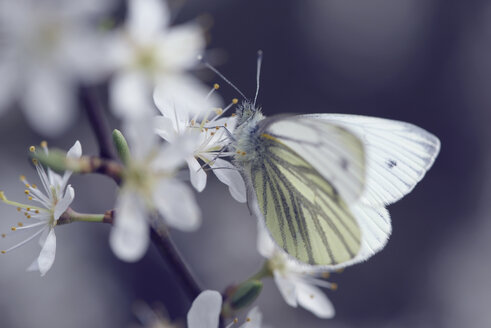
<point x="258" y="73"/>
<point x="201" y="59"/>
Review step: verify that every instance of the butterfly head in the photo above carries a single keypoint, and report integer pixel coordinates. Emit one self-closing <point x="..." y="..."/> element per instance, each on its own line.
<point x="247" y="112"/>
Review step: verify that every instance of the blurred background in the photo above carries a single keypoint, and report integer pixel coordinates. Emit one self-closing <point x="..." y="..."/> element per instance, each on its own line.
<point x="422" y="61"/>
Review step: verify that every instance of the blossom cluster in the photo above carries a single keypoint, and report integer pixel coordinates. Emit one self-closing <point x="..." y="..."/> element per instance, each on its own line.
<point x="169" y="118"/>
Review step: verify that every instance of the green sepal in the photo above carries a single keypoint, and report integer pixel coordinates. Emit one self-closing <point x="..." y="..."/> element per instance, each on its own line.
<point x="121" y="146"/>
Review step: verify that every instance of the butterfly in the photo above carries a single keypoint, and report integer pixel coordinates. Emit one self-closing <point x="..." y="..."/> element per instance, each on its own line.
<point x="319" y="183"/>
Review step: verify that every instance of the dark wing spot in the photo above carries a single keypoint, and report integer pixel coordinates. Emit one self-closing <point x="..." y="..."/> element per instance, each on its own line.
<point x="344" y="163"/>
<point x="391" y="163"/>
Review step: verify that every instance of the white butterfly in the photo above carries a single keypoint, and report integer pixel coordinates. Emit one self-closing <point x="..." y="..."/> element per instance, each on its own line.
<point x="320" y="182"/>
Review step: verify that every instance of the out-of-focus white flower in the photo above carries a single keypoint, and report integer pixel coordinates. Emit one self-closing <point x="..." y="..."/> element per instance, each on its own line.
<point x="206" y="308"/>
<point x="147" y="53"/>
<point x="54" y="202"/>
<point x="297" y="284"/>
<point x="46" y="47"/>
<point x="213" y="132"/>
<point x="150" y="186"/>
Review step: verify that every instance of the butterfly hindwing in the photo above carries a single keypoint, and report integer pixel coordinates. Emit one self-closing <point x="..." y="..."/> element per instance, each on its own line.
<point x="303" y="211"/>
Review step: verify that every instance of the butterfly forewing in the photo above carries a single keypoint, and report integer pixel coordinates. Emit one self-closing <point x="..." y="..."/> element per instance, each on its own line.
<point x="304" y="213"/>
<point x="398" y="154"/>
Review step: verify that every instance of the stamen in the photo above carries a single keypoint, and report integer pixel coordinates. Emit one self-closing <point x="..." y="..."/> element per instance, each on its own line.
<point x="13" y="228"/>
<point x="325" y="275"/>
<point x="22" y="178"/>
<point x="44" y="144"/>
<point x="4" y="235"/>
<point x="18" y="209"/>
<point x="23" y="242"/>
<point x="20" y="224"/>
<point x="26" y="192"/>
<point x="32" y="149"/>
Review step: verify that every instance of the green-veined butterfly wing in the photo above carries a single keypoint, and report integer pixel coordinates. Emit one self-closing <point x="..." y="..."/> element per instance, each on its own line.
<point x="304" y="211"/>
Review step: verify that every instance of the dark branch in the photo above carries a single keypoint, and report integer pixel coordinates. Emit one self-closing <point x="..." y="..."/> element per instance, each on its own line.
<point x="95" y="113"/>
<point x="169" y="252"/>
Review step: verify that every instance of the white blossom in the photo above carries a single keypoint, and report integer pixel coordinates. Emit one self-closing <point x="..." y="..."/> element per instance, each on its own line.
<point x="297" y="284"/>
<point x="148" y="55"/>
<point x="54" y="201"/>
<point x="206" y="308"/>
<point x="150" y="186"/>
<point x="213" y="132"/>
<point x="46" y="48"/>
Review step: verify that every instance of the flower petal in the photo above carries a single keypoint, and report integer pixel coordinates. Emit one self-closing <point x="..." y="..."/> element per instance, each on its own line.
<point x="179" y="48"/>
<point x="141" y="138"/>
<point x="313" y="299"/>
<point x="197" y="174"/>
<point x="47" y="256"/>
<point x="49" y="101"/>
<point x="146" y="18"/>
<point x="63" y="203"/>
<point x="287" y="288"/>
<point x="75" y="151"/>
<point x="254" y="319"/>
<point x="265" y="244"/>
<point x="130" y="95"/>
<point x="229" y="175"/>
<point x="165" y="128"/>
<point x="205" y="310"/>
<point x="176" y="203"/>
<point x="184" y="93"/>
<point x="129" y="236"/>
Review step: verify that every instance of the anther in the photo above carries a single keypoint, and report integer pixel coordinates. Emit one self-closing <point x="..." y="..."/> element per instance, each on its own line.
<point x="334" y="286"/>
<point x="212" y="133"/>
<point x="28" y="209"/>
<point x="20" y="224"/>
<point x="235" y="101"/>
<point x="225" y="124"/>
<point x="36" y="211"/>
<point x="26" y="192"/>
<point x="233" y="115"/>
<point x="22" y="178"/>
<point x="4" y="235"/>
<point x="236" y="320"/>
<point x="325" y="275"/>
<point x="33" y="186"/>
<point x="44" y="144"/>
<point x="219" y="111"/>
<point x="35" y="161"/>
<point x="243" y="153"/>
<point x="32" y="149"/>
<point x="3" y="252"/>
<point x="30" y="198"/>
<point x="2" y="196"/>
<point x="13" y="228"/>
<point x="28" y="216"/>
<point x="216" y="86"/>
<point x="28" y="185"/>
<point x="18" y="209"/>
<point x="248" y="319"/>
